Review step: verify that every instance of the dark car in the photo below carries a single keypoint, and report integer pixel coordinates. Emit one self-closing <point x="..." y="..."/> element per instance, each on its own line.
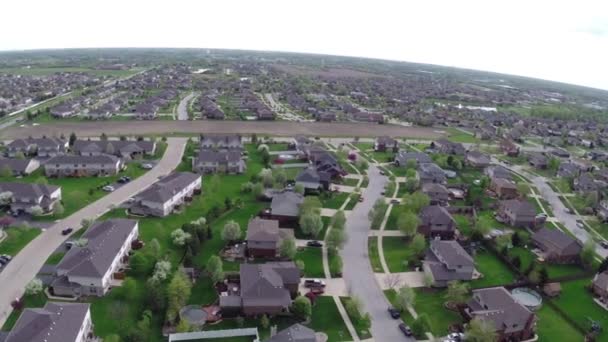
<point x="395" y="201"/>
<point x="395" y="314"/>
<point x="382" y="172"/>
<point x="67" y="231"/>
<point x="405" y="330"/>
<point x="314" y="243"/>
<point x="604" y="244"/>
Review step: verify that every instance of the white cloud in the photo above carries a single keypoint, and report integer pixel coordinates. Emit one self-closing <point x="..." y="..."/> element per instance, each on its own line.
<point x="563" y="41"/>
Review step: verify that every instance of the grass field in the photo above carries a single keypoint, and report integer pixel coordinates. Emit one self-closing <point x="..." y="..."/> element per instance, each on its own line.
<point x="553" y="327"/>
<point x="494" y="271"/>
<point x="313" y="261"/>
<point x="374" y="256"/>
<point x="431" y="304"/>
<point x="16" y="239"/>
<point x="361" y="331"/>
<point x="396" y="252"/>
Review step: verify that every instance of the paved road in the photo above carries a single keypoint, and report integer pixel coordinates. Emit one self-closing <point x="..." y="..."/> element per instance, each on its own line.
<point x="26" y="264"/>
<point x="357" y="271"/>
<point x="182" y="108"/>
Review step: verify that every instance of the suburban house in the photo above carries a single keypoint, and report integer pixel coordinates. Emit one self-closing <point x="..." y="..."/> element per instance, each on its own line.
<point x="602" y="210"/>
<point x="567" y="170"/>
<point x="83" y="166"/>
<point x="18" y="167"/>
<point x="436" y="221"/>
<point x="167" y="194"/>
<point x="91" y="270"/>
<point x="585" y="183"/>
<point x="512" y="321"/>
<point x="503" y="188"/>
<point x="560" y="153"/>
<point x="328" y="163"/>
<point x="120" y="148"/>
<point x="312" y="180"/>
<point x="402" y="158"/>
<point x="438" y="193"/>
<point x="498" y="171"/>
<point x="219" y="161"/>
<point x="285" y="207"/>
<point x="25" y="196"/>
<point x="509" y="148"/>
<point x="431" y="173"/>
<point x="41" y="147"/>
<point x="295" y="333"/>
<point x="221" y="142"/>
<point x="65" y="109"/>
<point x="263" y="289"/>
<point x="146" y="111"/>
<point x="477" y="159"/>
<point x="382" y="144"/>
<point x="538" y="160"/>
<point x="300" y="142"/>
<point x="599" y="286"/>
<point x="517" y="213"/>
<point x="55" y="322"/>
<point x="447" y="261"/>
<point x="557" y="246"/>
<point x="264" y="237"/>
<point x="448" y="147"/>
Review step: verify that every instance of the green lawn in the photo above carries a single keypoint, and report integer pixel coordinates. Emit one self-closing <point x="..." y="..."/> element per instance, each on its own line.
<point x="349" y="181"/>
<point x="402" y="190"/>
<point x="326" y="318"/>
<point x="374" y="256"/>
<point x="363" y="333"/>
<point x="396" y="252"/>
<point x="278" y="146"/>
<point x="383" y="157"/>
<point x="553" y="327"/>
<point x="393" y="216"/>
<point x="463" y="222"/>
<point x="313" y="261"/>
<point x="431" y="304"/>
<point x="398" y="171"/>
<point x="16" y="239"/>
<point x="364" y="146"/>
<point x="494" y="271"/>
<point x="335" y="199"/>
<point x="55" y="258"/>
<point x="354" y="199"/>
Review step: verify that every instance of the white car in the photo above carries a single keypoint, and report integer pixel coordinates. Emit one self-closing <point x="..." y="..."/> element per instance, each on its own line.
<point x="146" y="166"/>
<point x="108" y="188"/>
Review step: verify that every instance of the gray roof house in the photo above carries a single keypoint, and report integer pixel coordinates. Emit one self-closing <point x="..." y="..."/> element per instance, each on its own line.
<point x="477" y="159"/>
<point x="221" y="142"/>
<point x="557" y="246"/>
<point x="91" y="269"/>
<point x="313" y="180"/>
<point x="83" y="166"/>
<point x="438" y="193"/>
<point x="25" y="196"/>
<point x="402" y="158"/>
<point x="167" y="194"/>
<point x="568" y="170"/>
<point x="285" y="206"/>
<point x="41" y="147"/>
<point x="295" y="333"/>
<point x="120" y="148"/>
<point x="599" y="285"/>
<point x="19" y="167"/>
<point x="512" y="321"/>
<point x="55" y="322"/>
<point x="447" y="261"/>
<point x="264" y="288"/>
<point x="517" y="213"/>
<point x="431" y="173"/>
<point x="449" y="147"/>
<point x="264" y="237"/>
<point x="498" y="171"/>
<point x="585" y="183"/>
<point x="436" y="221"/>
<point x="213" y="161"/>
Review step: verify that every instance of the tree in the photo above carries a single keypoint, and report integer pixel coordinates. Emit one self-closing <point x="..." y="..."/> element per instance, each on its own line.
<point x="183" y="326"/>
<point x="299" y="188"/>
<point x="257" y="190"/>
<point x="418" y="245"/>
<point x="335" y="265"/>
<point x="35" y="210"/>
<point x="302" y="308"/>
<point x="588" y="252"/>
<point x="408" y="223"/>
<point x="483" y="225"/>
<point x="338" y="220"/>
<point x="19" y="155"/>
<point x="376" y="214"/>
<point x="215" y="268"/>
<point x="458" y="292"/>
<point x="416" y="201"/>
<point x="421" y="325"/>
<point x="128" y="289"/>
<point x="34" y="287"/>
<point x="279" y="176"/>
<point x="141" y="264"/>
<point x="591" y="199"/>
<point x="335" y="239"/>
<point x="254" y="138"/>
<point x="154" y="248"/>
<point x="264" y="322"/>
<point x="6" y="197"/>
<point x="481" y="330"/>
<point x="214" y="183"/>
<point x="161" y="271"/>
<point x="406" y="297"/>
<point x="72" y="139"/>
<point x="58" y="208"/>
<point x="267" y="178"/>
<point x="262" y="148"/>
<point x="246" y="187"/>
<point x="287" y="249"/>
<point x="111" y="338"/>
<point x="6" y="171"/>
<point x="178" y="292"/>
<point x="179" y="237"/>
<point x="311" y="204"/>
<point x="156" y="298"/>
<point x="311" y="223"/>
<point x="523" y="189"/>
<point x="231" y="231"/>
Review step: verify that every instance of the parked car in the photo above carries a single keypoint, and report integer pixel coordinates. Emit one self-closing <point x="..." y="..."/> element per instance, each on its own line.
<point x="395" y="314"/>
<point x="124" y="179"/>
<point x="405" y="330"/>
<point x="456" y="337"/>
<point x="360" y="198"/>
<point x="382" y="172"/>
<point x="395" y="201"/>
<point x="108" y="188"/>
<point x="604" y="244"/>
<point x="146" y="166"/>
<point x="314" y="243"/>
<point x="67" y="231"/>
<point x="314" y="283"/>
<point x="6" y="257"/>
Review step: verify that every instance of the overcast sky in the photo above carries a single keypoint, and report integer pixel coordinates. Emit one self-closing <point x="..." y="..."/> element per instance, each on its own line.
<point x="559" y="40"/>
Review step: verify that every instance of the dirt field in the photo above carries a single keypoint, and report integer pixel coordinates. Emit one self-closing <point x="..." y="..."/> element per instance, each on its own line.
<point x="279" y="128"/>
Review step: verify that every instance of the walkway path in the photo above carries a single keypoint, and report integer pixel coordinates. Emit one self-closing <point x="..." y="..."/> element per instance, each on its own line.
<point x="182" y="108"/>
<point x="24" y="266"/>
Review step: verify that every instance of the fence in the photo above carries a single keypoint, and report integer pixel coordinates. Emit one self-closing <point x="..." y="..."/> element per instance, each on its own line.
<point x="215" y="334"/>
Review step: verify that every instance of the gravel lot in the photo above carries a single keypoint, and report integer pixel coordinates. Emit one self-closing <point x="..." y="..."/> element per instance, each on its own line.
<point x="284" y="128"/>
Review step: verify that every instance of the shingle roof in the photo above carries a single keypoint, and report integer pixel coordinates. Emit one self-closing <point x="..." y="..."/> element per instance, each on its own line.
<point x="286" y="203"/>
<point x="295" y="333"/>
<point x="264" y="284"/>
<point x="118" y="145"/>
<point x="165" y="188"/>
<point x="72" y="159"/>
<point x="28" y="190"/>
<point x="435" y="215"/>
<point x="555" y="240"/>
<point x="263" y="230"/>
<point x="56" y="322"/>
<point x="15" y="165"/>
<point x="498" y="306"/>
<point x="519" y="207"/>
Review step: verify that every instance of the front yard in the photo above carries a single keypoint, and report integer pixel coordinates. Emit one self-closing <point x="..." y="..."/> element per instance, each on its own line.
<point x="16" y="239"/>
<point x="313" y="261"/>
<point x="431" y="303"/>
<point x="396" y="253"/>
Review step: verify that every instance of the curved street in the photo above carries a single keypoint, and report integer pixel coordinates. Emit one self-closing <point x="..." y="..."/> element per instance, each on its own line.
<point x="358" y="274"/>
<point x="26" y="264"/>
<point x="182" y="108"/>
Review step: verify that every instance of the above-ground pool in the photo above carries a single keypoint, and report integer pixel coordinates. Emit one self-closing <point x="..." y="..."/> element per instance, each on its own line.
<point x="193" y="314"/>
<point x="527" y="297"/>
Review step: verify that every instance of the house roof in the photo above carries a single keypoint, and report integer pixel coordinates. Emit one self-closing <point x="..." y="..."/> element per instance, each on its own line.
<point x="498" y="171"/>
<point x="601" y="280"/>
<point x="130" y="146"/>
<point x="519" y="207"/>
<point x="556" y="241"/>
<point x="504" y="183"/>
<point x="42" y="143"/>
<point x="498" y="306"/>
<point x="295" y="333"/>
<point x="286" y="203"/>
<point x="104" y="240"/>
<point x="478" y="157"/>
<point x="28" y="190"/>
<point x="419" y="157"/>
<point x="72" y="159"/>
<point x="223" y="156"/>
<point x="15" y="165"/>
<point x="55" y="322"/>
<point x="165" y="188"/>
<point x="263" y="230"/>
<point x="265" y="284"/>
<point x="451" y="254"/>
<point x="433" y="215"/>
<point x="435" y="188"/>
<point x="222" y="140"/>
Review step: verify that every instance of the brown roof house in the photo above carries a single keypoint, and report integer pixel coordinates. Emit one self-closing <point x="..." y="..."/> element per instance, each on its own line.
<point x="55" y="322"/>
<point x="436" y="221"/>
<point x="477" y="159"/>
<point x="517" y="213"/>
<point x="264" y="289"/>
<point x="447" y="261"/>
<point x="503" y="188"/>
<point x="439" y="194"/>
<point x="557" y="246"/>
<point x="382" y="144"/>
<point x="599" y="286"/>
<point x="509" y="148"/>
<point x="538" y="160"/>
<point x="512" y="321"/>
<point x="448" y="147"/>
<point x="264" y="237"/>
<point x="431" y="173"/>
<point x="498" y="171"/>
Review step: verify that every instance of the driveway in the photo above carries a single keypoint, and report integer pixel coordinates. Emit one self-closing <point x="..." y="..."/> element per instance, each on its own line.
<point x="26" y="264"/>
<point x="357" y="270"/>
<point x="182" y="108"/>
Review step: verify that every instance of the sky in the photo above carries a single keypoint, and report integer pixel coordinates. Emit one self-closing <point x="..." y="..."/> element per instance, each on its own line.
<point x="564" y="41"/>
